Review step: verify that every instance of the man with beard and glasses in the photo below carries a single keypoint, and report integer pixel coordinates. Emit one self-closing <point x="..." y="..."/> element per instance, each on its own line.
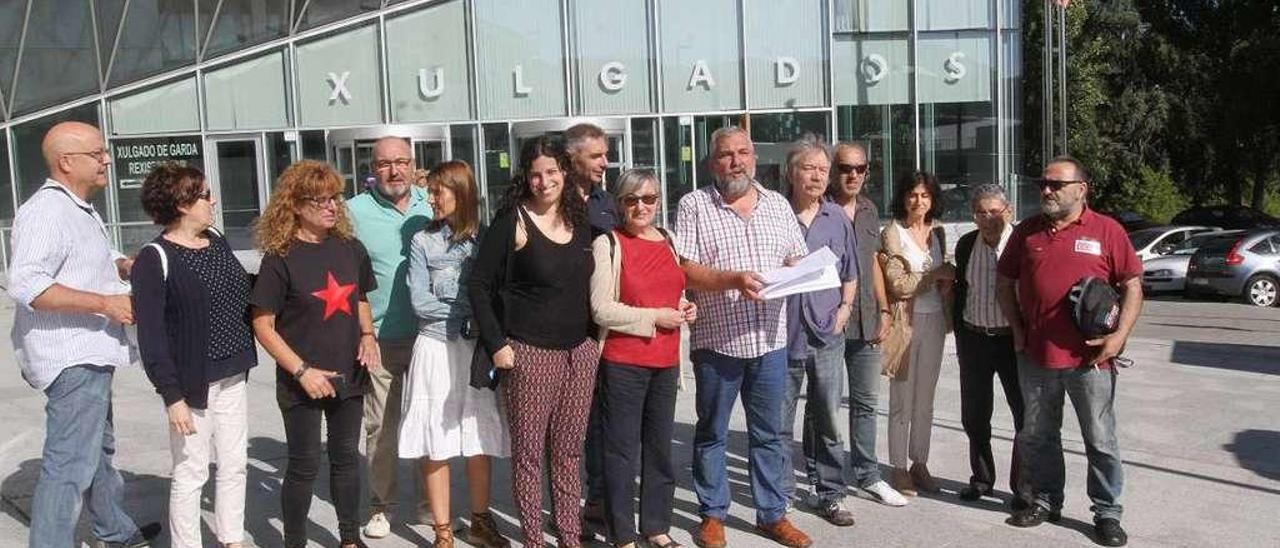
<point x="728" y="234"/>
<point x="385" y="219"/>
<point x="1045" y="256"/>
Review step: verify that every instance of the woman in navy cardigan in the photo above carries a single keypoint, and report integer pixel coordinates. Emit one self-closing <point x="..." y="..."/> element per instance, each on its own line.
<point x="191" y="301"/>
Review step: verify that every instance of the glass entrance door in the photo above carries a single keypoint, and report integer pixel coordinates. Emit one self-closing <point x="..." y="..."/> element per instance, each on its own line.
<point x="237" y="171"/>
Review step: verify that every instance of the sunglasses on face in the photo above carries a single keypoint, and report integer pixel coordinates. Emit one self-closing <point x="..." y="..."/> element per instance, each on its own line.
<point x="632" y="200"/>
<point x="1054" y="185"/>
<point x="845" y="169"/>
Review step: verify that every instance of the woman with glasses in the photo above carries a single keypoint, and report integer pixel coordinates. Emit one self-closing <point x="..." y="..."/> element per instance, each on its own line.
<point x="636" y="300"/>
<point x="530" y="296"/>
<point x="311" y="315"/>
<point x="191" y="302"/>
<point x="918" y="282"/>
<point x="444" y="417"/>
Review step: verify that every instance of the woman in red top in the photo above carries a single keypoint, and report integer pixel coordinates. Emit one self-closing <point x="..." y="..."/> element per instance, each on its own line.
<point x="635" y="299"/>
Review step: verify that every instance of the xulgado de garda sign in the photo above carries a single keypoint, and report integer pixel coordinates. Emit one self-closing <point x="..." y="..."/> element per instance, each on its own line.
<point x="134" y="158"/>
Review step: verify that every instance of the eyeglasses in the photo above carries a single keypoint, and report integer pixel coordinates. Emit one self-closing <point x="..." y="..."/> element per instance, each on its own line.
<point x="399" y="163"/>
<point x="1054" y="185"/>
<point x="984" y="213"/>
<point x="322" y="202"/>
<point x="97" y="155"/>
<point x="846" y="169"/>
<point x="631" y="200"/>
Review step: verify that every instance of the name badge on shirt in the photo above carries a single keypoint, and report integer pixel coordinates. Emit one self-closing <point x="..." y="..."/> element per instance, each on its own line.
<point x="1090" y="246"/>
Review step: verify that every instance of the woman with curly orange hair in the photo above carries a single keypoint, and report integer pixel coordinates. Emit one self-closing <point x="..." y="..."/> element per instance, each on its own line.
<point x="310" y="313"/>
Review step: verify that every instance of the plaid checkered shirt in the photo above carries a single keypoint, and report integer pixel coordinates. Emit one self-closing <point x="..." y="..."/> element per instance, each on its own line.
<point x="710" y="233"/>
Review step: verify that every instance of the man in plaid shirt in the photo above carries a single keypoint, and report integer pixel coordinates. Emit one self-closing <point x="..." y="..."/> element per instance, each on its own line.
<point x="727" y="235"/>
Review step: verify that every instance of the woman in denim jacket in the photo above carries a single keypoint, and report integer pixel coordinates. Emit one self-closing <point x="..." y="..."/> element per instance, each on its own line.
<point x="444" y="417"/>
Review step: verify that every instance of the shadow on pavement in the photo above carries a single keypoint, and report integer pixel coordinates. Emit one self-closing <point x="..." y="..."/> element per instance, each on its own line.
<point x="1234" y="357"/>
<point x="1256" y="451"/>
<point x="18" y="489"/>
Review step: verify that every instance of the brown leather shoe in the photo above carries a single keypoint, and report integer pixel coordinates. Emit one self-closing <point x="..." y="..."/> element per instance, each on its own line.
<point x="903" y="483"/>
<point x="923" y="480"/>
<point x="710" y="534"/>
<point x="786" y="534"/>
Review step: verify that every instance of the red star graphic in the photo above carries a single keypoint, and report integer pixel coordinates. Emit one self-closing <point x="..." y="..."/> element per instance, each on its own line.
<point x="335" y="297"/>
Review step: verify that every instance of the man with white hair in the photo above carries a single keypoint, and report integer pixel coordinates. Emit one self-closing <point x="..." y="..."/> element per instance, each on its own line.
<point x="385" y="219"/>
<point x="728" y="234"/>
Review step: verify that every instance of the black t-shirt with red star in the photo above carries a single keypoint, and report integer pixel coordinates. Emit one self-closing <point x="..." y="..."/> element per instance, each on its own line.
<point x="315" y="293"/>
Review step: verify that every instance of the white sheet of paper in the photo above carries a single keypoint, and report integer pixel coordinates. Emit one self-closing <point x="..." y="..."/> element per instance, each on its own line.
<point x="815" y="271"/>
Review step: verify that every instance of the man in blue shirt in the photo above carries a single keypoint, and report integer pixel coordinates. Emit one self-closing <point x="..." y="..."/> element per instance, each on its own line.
<point x="385" y="219"/>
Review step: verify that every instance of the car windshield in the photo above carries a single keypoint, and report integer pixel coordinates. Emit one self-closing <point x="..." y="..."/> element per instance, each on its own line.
<point x="1141" y="238"/>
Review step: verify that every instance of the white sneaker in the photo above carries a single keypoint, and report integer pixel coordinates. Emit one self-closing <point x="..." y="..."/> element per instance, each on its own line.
<point x="378" y="526"/>
<point x="885" y="494"/>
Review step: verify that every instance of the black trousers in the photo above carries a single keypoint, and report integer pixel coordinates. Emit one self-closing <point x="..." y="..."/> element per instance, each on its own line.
<point x="302" y="433"/>
<point x="981" y="358"/>
<point x="637" y="415"/>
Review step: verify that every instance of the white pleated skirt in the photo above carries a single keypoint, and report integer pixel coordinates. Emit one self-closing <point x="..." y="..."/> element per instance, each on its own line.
<point x="442" y="416"/>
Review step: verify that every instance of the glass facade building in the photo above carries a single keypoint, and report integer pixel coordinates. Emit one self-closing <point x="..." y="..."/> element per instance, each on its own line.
<point x="241" y="88"/>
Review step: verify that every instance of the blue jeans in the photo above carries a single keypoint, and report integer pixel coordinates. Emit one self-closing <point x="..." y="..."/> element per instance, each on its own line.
<point x="78" y="447"/>
<point x="823" y="447"/>
<point x="763" y="384"/>
<point x="1092" y="393"/>
<point x="862" y="362"/>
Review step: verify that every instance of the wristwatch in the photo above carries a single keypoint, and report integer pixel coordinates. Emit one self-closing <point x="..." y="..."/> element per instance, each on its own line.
<point x="297" y="375"/>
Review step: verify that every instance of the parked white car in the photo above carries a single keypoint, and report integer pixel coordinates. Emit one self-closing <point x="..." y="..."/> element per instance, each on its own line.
<point x="1154" y="242"/>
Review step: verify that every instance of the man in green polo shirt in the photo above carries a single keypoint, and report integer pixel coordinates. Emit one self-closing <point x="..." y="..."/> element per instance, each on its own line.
<point x="386" y="218"/>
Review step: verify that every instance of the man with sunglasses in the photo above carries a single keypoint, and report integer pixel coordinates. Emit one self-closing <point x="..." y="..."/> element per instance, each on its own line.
<point x="867" y="324"/>
<point x="385" y="219"/>
<point x="1046" y="255"/>
<point x="984" y="343"/>
<point x="71" y="307"/>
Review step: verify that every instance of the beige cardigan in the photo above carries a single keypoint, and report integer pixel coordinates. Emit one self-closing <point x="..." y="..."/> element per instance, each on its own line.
<point x="609" y="313"/>
<point x="902" y="285"/>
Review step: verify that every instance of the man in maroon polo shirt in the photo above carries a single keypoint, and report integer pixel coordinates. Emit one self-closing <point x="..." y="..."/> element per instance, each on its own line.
<point x="1045" y="256"/>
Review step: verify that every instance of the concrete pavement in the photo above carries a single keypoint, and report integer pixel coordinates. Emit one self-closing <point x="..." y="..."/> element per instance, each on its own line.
<point x="1199" y="431"/>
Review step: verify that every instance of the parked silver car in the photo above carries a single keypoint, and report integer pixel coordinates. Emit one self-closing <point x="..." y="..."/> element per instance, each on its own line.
<point x="1245" y="266"/>
<point x="1167" y="273"/>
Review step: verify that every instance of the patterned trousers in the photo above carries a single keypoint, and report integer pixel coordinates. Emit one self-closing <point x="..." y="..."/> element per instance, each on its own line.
<point x="548" y="398"/>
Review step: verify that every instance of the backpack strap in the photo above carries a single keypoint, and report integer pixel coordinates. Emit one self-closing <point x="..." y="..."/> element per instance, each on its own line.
<point x="164" y="259"/>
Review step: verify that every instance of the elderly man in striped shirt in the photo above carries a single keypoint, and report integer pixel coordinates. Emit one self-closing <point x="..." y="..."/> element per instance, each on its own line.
<point x="984" y="343"/>
<point x="727" y="234"/>
<point x="71" y="306"/>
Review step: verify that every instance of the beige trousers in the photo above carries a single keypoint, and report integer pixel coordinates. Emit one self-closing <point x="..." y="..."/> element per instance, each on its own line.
<point x="911" y="395"/>
<point x="382" y="423"/>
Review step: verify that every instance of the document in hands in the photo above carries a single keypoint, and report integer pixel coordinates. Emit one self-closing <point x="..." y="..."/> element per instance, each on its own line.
<point x="815" y="271"/>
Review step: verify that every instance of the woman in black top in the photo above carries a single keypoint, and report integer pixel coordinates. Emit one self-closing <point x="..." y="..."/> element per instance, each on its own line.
<point x="531" y="299"/>
<point x="311" y="315"/>
<point x="191" y="303"/>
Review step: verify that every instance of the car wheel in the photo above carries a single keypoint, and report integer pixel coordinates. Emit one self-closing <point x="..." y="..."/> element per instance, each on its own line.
<point x="1261" y="291"/>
